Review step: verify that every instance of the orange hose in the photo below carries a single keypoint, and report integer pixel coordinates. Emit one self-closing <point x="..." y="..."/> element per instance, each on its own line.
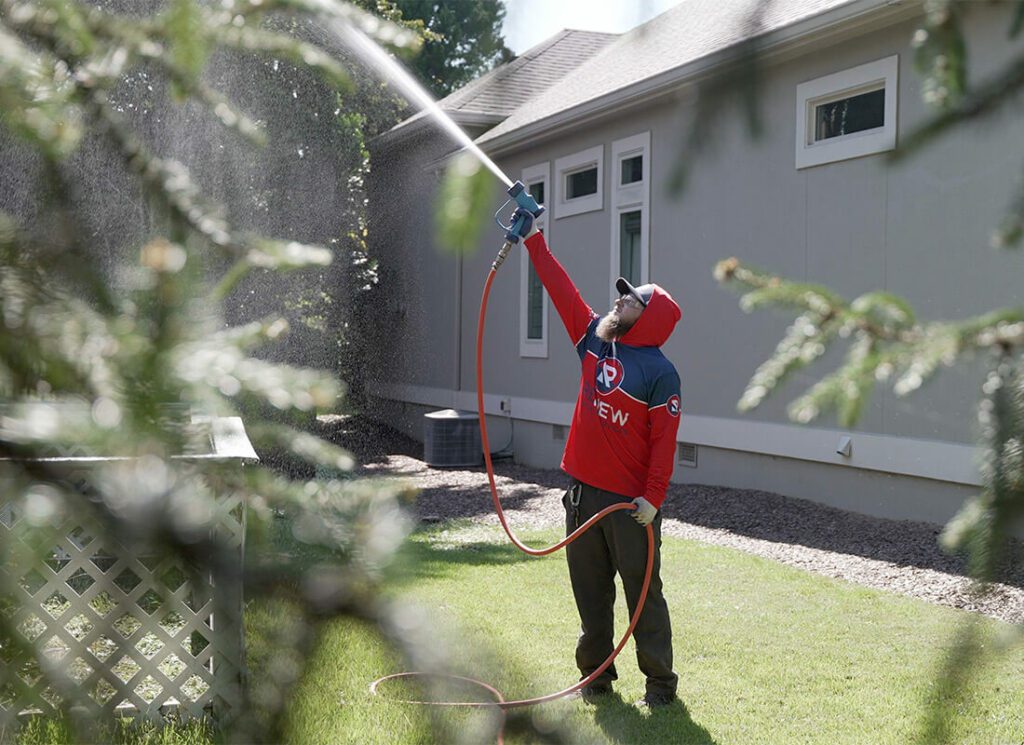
<point x="565" y="541"/>
<point x="499" y="701"/>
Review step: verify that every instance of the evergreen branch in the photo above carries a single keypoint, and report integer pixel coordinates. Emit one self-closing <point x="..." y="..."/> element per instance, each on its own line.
<point x="243" y="338"/>
<point x="228" y="370"/>
<point x="768" y="289"/>
<point x="32" y="103"/>
<point x="47" y="334"/>
<point x="940" y="54"/>
<point x="805" y="341"/>
<point x="344" y="515"/>
<point x="184" y="24"/>
<point x="252" y="40"/>
<point x="1018" y="21"/>
<point x="846" y="390"/>
<point x="887" y="340"/>
<point x="381" y="29"/>
<point x="278" y="255"/>
<point x="983" y="525"/>
<point x="883" y="313"/>
<point x="168" y="179"/>
<point x="985" y="99"/>
<point x="936" y="344"/>
<point x="1010" y="231"/>
<point x="188" y="86"/>
<point x="302" y="445"/>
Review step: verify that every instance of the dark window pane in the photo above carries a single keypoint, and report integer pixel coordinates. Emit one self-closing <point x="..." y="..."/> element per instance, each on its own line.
<point x="849" y="115"/>
<point x="632" y="170"/>
<point x="629" y="246"/>
<point x="534" y="304"/>
<point x="537" y="192"/>
<point x="581" y="183"/>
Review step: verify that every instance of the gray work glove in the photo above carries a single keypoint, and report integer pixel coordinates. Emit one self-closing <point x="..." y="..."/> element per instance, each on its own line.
<point x="644" y="512"/>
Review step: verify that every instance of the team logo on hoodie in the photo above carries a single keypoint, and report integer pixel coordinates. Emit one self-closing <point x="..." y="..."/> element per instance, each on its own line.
<point x="609" y="375"/>
<point x="673" y="406"/>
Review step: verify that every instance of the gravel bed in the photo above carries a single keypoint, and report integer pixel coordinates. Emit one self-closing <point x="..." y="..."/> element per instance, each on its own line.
<point x="892" y="555"/>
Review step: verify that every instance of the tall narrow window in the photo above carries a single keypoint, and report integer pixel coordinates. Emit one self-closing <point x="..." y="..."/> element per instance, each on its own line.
<point x="533" y="298"/>
<point x="629" y="246"/>
<point x="630" y="213"/>
<point x="534" y="288"/>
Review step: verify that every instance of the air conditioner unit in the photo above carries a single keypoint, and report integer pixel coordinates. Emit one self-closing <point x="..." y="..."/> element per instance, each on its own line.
<point x="451" y="438"/>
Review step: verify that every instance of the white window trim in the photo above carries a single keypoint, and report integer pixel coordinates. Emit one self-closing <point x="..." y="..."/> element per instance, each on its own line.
<point x="534" y="347"/>
<point x="840" y="85"/>
<point x="568" y="164"/>
<point x="631" y="198"/>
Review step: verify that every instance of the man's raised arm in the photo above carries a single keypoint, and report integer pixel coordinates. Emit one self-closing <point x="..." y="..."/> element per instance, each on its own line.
<point x="576" y="315"/>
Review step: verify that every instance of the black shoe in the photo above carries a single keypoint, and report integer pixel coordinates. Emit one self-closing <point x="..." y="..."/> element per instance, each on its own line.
<point x="656" y="700"/>
<point x="592" y="693"/>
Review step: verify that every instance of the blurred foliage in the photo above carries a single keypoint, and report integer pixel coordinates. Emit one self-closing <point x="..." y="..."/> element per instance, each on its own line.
<point x="887" y="344"/>
<point x="113" y="355"/>
<point x="464" y="204"/>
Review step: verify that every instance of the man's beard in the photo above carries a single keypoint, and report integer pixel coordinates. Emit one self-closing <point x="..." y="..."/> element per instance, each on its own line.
<point x="612" y="326"/>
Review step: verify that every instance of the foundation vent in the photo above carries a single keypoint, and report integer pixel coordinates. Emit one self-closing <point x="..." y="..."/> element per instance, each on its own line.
<point x="687" y="454"/>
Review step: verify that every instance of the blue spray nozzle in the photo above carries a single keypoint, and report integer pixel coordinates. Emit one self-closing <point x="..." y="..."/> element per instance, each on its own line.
<point x="525" y="201"/>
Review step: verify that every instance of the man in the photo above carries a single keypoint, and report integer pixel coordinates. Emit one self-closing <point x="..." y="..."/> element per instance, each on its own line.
<point x="621" y="447"/>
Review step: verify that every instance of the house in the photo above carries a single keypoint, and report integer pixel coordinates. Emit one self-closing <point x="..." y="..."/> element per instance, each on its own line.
<point x="594" y="124"/>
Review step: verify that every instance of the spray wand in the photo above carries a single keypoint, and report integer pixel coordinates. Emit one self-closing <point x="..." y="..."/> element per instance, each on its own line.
<point x="525" y="200"/>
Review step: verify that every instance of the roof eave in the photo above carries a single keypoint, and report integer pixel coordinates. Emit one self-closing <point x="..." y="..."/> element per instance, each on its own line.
<point x="862" y="14"/>
<point x="417" y="123"/>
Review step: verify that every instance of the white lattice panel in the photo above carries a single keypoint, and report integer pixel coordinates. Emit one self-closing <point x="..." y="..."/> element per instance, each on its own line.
<point x="129" y="629"/>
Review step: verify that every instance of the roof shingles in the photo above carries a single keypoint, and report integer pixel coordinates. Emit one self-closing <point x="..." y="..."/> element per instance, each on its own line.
<point x="691" y="30"/>
<point x="504" y="89"/>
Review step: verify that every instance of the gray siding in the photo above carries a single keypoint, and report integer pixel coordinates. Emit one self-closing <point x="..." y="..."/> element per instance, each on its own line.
<point x="919" y="229"/>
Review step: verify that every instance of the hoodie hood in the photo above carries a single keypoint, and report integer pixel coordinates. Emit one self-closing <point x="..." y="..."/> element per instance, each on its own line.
<point x="656" y="323"/>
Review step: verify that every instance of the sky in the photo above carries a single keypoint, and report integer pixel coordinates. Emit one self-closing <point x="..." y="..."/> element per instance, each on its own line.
<point x="529" y="22"/>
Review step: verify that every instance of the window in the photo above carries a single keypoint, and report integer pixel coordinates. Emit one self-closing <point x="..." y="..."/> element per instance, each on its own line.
<point x="581" y="183"/>
<point x="848" y="114"/>
<point x="534" y="288"/>
<point x="632" y="170"/>
<point x="533" y="313"/>
<point x="578" y="183"/>
<point x="630" y="210"/>
<point x="629" y="246"/>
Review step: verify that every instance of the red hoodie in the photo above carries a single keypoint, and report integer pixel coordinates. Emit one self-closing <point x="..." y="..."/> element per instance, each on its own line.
<point x="623" y="434"/>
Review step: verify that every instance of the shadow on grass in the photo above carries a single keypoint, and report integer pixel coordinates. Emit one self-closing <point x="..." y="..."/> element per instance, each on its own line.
<point x="622" y="722"/>
<point x="426" y="559"/>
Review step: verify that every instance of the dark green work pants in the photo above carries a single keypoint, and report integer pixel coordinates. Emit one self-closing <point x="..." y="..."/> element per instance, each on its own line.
<point x="616" y="544"/>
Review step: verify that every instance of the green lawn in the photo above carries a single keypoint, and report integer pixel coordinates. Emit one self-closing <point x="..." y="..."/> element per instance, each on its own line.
<point x="766" y="654"/>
